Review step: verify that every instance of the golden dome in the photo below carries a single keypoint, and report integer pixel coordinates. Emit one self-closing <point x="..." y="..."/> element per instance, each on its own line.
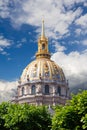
<point x="42" y="69"/>
<point x="42" y="82"/>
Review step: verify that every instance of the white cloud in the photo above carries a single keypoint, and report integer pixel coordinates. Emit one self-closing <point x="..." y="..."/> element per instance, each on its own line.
<point x="71" y="3"/>
<point x="1" y="49"/>
<point x="82" y="21"/>
<point x="21" y="42"/>
<point x="7" y="90"/>
<point x="4" y="43"/>
<point x="57" y="18"/>
<point x="4" y="53"/>
<point x="4" y="9"/>
<point x="19" y="45"/>
<point x="74" y="65"/>
<point x="84" y="42"/>
<point x="78" y="31"/>
<point x="81" y="31"/>
<point x="9" y="59"/>
<point x="78" y="42"/>
<point x="57" y="46"/>
<point x="85" y="4"/>
<point x="74" y="42"/>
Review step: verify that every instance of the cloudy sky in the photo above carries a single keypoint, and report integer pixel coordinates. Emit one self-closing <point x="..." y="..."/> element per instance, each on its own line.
<point x="20" y="27"/>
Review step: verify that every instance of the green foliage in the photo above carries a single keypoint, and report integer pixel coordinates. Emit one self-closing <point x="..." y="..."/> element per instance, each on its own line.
<point x="3" y="110"/>
<point x="24" y="116"/>
<point x="73" y="116"/>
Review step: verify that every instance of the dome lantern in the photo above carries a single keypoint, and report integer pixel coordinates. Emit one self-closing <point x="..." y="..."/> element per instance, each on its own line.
<point x="43" y="51"/>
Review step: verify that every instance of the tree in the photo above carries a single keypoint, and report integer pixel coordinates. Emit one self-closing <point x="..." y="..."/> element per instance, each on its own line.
<point x="3" y="110"/>
<point x="24" y="116"/>
<point x="73" y="116"/>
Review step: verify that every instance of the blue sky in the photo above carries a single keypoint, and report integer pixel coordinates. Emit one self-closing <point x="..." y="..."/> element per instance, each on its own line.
<point x="20" y="27"/>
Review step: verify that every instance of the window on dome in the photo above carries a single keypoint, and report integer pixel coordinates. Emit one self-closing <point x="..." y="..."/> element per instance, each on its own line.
<point x="47" y="73"/>
<point x="33" y="89"/>
<point x="46" y="89"/>
<point x="59" y="90"/>
<point x="22" y="91"/>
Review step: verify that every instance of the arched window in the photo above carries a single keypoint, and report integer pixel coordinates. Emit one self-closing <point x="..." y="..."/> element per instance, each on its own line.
<point x="22" y="91"/>
<point x="59" y="90"/>
<point x="46" y="89"/>
<point x="66" y="92"/>
<point x="33" y="89"/>
<point x="43" y="46"/>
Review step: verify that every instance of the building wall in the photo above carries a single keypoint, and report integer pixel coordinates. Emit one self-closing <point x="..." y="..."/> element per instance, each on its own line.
<point x="56" y="95"/>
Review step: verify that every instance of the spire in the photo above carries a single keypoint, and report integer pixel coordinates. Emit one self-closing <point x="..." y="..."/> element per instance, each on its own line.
<point x="43" y="31"/>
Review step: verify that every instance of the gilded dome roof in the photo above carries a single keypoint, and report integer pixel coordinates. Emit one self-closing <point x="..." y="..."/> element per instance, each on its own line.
<point x="42" y="68"/>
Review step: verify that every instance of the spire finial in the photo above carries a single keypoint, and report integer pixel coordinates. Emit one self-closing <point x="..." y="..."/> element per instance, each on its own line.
<point x="43" y="32"/>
